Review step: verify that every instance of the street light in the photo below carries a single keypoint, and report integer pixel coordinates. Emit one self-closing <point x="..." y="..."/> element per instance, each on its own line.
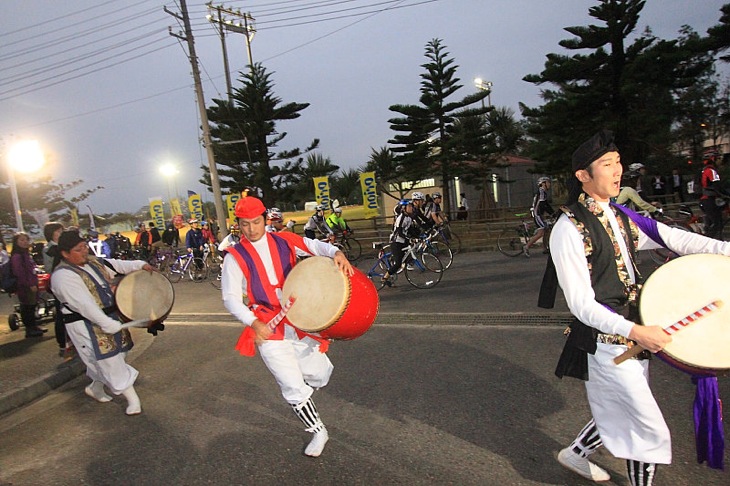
<point x="169" y="171"/>
<point x="484" y="86"/>
<point x="25" y="156"/>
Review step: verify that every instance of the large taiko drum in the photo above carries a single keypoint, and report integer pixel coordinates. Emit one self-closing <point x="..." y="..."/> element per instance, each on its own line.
<point x="144" y="295"/>
<point x="678" y="289"/>
<point x="328" y="302"/>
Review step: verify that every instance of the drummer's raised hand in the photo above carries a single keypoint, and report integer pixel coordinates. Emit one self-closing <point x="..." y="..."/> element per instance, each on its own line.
<point x="343" y="264"/>
<point x="652" y="338"/>
<point x="262" y="331"/>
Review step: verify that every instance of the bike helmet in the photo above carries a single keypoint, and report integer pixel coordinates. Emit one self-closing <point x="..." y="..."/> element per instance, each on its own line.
<point x="338" y="210"/>
<point x="636" y="166"/>
<point x="319" y="207"/>
<point x="404" y="202"/>
<point x="543" y="180"/>
<point x="234" y="228"/>
<point x="436" y="194"/>
<point x="191" y="221"/>
<point x="417" y="196"/>
<point x="275" y="214"/>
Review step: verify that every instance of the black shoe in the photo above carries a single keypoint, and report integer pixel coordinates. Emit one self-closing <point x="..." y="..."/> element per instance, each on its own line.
<point x="34" y="332"/>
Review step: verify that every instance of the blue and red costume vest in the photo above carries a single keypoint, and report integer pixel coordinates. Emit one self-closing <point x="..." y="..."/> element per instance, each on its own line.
<point x="262" y="295"/>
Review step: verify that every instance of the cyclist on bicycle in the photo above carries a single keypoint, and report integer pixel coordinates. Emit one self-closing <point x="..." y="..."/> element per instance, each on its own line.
<point x="628" y="196"/>
<point x="418" y="200"/>
<point x="194" y="239"/>
<point x="234" y="236"/>
<point x="404" y="228"/>
<point x="337" y="223"/>
<point x="542" y="212"/>
<point x="316" y="224"/>
<point x="275" y="221"/>
<point x="432" y="209"/>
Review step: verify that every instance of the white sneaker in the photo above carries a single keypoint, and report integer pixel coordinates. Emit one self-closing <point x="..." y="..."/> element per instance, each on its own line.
<point x="581" y="465"/>
<point x="316" y="445"/>
<point x="526" y="251"/>
<point x="96" y="391"/>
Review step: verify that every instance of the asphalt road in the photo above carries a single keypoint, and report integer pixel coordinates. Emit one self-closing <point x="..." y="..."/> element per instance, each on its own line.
<point x="451" y="386"/>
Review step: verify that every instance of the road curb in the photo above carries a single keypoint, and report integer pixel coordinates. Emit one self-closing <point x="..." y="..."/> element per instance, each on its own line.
<point x="65" y="373"/>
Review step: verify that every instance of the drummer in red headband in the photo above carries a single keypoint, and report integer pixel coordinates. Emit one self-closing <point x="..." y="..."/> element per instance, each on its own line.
<point x="593" y="247"/>
<point x="256" y="267"/>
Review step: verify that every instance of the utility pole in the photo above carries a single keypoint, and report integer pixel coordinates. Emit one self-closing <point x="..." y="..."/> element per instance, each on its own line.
<point x="227" y="69"/>
<point x="248" y="28"/>
<point x="214" y="180"/>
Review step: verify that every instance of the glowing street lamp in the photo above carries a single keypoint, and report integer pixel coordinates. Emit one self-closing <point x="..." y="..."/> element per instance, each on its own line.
<point x="484" y="86"/>
<point x="26" y="157"/>
<point x="169" y="171"/>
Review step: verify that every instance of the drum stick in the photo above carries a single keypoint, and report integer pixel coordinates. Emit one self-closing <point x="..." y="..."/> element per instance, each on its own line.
<point x="677" y="326"/>
<point x="282" y="313"/>
<point x="136" y="323"/>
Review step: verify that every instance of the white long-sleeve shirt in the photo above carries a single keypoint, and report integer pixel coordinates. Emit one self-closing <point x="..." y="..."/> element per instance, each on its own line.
<point x="568" y="254"/>
<point x="69" y="289"/>
<point x="233" y="281"/>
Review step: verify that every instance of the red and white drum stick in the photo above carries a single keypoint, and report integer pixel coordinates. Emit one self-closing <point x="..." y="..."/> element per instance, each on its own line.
<point x="282" y="313"/>
<point x="671" y="329"/>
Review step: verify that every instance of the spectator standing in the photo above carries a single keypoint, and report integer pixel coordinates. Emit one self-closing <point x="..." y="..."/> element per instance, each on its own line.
<point x="52" y="231"/>
<point x="658" y="187"/>
<point x="711" y="200"/>
<point x="677" y="186"/>
<point x="24" y="269"/>
<point x="100" y="248"/>
<point x="463" y="212"/>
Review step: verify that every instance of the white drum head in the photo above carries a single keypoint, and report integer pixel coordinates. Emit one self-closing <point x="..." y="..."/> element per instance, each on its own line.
<point x="682" y="287"/>
<point x="322" y="293"/>
<point x="144" y="295"/>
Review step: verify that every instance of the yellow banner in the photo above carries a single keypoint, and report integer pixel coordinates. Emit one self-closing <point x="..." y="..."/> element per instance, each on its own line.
<point x="175" y="207"/>
<point x="195" y="205"/>
<point x="157" y="211"/>
<point x="369" y="195"/>
<point x="231" y="201"/>
<point x="322" y="191"/>
<point x="74" y="217"/>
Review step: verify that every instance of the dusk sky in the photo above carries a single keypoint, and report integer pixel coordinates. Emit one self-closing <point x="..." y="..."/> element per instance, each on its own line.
<point x="109" y="94"/>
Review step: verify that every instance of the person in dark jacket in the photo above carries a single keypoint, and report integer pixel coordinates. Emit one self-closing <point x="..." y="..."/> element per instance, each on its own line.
<point x="23" y="268"/>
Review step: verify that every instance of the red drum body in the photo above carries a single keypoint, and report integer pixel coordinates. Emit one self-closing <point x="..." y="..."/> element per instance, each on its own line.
<point x="680" y="288"/>
<point x="329" y="303"/>
<point x="43" y="279"/>
<point x="144" y="295"/>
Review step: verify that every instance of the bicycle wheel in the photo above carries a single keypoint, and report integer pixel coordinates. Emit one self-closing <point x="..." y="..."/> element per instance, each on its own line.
<point x="354" y="248"/>
<point x="197" y="270"/>
<point x="424" y="275"/>
<point x="454" y="242"/>
<point x="375" y="269"/>
<point x="510" y="243"/>
<point x="175" y="271"/>
<point x="442" y="251"/>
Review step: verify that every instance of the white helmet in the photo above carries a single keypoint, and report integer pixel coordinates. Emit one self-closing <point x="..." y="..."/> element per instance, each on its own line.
<point x="319" y="207"/>
<point x="636" y="166"/>
<point x="418" y="196"/>
<point x="338" y="210"/>
<point x="275" y="214"/>
<point x="543" y="180"/>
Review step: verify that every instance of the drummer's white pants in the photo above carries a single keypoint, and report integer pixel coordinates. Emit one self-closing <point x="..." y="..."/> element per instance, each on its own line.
<point x="114" y="372"/>
<point x="628" y="418"/>
<point x="297" y="365"/>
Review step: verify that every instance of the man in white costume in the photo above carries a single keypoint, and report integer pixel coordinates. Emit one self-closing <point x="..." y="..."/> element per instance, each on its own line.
<point x="257" y="267"/>
<point x="603" y="298"/>
<point x="83" y="286"/>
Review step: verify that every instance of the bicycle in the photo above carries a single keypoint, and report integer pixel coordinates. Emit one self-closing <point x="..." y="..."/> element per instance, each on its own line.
<point x="212" y="258"/>
<point x="447" y="236"/>
<point x="349" y="246"/>
<point x="511" y="242"/>
<point x="187" y="264"/>
<point x="436" y="246"/>
<point x="423" y="270"/>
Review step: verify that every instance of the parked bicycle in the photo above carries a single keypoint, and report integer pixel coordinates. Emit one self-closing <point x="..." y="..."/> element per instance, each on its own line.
<point x="186" y="264"/>
<point x="423" y="270"/>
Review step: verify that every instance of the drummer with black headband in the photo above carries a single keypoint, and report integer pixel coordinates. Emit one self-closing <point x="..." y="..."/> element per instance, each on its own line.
<point x="82" y="284"/>
<point x="593" y="247"/>
<point x="256" y="267"/>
